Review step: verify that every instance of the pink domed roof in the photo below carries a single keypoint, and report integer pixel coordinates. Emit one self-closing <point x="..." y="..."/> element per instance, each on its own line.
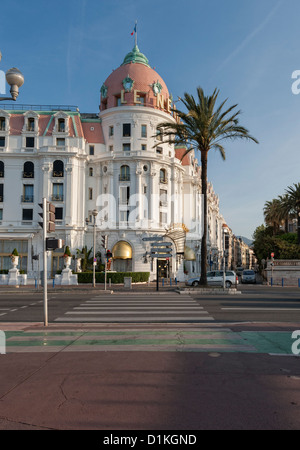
<point x="144" y="84"/>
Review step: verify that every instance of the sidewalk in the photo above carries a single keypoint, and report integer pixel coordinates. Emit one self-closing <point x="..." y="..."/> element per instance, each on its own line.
<point x="158" y="385"/>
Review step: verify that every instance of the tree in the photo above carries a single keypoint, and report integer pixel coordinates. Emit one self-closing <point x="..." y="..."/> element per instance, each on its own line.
<point x="204" y="127"/>
<point x="87" y="260"/>
<point x="273" y="214"/>
<point x="293" y="193"/>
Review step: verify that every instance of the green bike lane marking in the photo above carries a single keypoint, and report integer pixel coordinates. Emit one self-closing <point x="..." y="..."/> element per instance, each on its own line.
<point x="226" y="340"/>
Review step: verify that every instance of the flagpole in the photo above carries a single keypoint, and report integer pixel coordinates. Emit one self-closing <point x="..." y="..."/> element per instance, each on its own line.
<point x="136" y="33"/>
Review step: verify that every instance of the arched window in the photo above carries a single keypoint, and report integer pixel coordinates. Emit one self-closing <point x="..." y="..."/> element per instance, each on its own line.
<point x="125" y="173"/>
<point x="58" y="169"/>
<point x="1" y="169"/>
<point x="163" y="176"/>
<point x="28" y="170"/>
<point x="91" y="172"/>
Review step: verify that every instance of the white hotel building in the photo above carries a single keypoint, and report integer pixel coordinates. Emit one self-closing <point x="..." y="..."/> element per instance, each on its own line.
<point x="109" y="162"/>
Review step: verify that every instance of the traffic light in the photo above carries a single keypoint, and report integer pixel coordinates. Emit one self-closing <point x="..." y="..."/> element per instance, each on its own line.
<point x="53" y="244"/>
<point x="104" y="240"/>
<point x="50" y="217"/>
<point x="226" y="242"/>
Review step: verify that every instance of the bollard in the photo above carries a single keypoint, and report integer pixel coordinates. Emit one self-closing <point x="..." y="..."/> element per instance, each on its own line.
<point x="35" y="283"/>
<point x="176" y="281"/>
<point x="299" y="282"/>
<point x="282" y="283"/>
<point x="53" y="283"/>
<point x="170" y="281"/>
<point x="109" y="282"/>
<point x="163" y="281"/>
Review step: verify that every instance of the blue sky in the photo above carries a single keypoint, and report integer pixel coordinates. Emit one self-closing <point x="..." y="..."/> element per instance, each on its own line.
<point x="248" y="49"/>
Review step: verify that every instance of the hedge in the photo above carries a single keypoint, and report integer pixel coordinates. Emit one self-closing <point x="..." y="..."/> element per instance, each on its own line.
<point x="116" y="277"/>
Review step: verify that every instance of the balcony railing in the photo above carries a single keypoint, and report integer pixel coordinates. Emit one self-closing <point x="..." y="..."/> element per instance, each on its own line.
<point x="27" y="198"/>
<point x="28" y="174"/>
<point x="57" y="198"/>
<point x="57" y="174"/>
<point x="124" y="177"/>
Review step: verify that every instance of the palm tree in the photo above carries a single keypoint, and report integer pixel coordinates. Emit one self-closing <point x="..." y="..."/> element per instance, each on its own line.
<point x="86" y="257"/>
<point x="203" y="127"/>
<point x="273" y="214"/>
<point x="285" y="210"/>
<point x="293" y="193"/>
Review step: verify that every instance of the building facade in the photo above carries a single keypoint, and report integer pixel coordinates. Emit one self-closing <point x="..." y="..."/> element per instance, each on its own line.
<point x="114" y="162"/>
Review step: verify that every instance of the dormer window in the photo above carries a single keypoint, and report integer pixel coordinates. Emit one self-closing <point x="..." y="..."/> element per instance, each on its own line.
<point x="61" y="125"/>
<point x="2" y="123"/>
<point x="30" y="124"/>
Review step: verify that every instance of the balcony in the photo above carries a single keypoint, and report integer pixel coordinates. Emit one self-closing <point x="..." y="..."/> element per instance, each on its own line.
<point x="28" y="174"/>
<point x="124" y="177"/>
<point x="27" y="198"/>
<point x="57" y="197"/>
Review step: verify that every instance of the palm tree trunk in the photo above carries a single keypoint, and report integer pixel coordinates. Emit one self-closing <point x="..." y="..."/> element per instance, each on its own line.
<point x="298" y="224"/>
<point x="203" y="278"/>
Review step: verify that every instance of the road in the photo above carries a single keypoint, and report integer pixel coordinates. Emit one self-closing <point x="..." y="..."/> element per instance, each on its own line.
<point x="254" y="304"/>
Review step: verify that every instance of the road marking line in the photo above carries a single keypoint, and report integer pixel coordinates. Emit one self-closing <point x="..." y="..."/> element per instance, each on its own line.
<point x="262" y="309"/>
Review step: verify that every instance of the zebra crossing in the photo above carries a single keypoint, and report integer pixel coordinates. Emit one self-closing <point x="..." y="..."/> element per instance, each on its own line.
<point x="141" y="308"/>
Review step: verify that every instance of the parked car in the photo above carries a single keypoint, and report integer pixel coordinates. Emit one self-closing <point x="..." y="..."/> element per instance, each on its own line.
<point x="215" y="278"/>
<point x="248" y="276"/>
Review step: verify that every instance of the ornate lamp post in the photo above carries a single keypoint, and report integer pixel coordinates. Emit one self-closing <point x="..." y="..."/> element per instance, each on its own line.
<point x="94" y="213"/>
<point x="15" y="79"/>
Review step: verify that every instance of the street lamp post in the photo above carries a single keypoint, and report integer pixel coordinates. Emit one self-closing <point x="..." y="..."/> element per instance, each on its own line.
<point x="94" y="213"/>
<point x="15" y="79"/>
<point x="224" y="265"/>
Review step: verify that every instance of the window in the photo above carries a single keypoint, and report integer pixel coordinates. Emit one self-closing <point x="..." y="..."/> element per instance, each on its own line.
<point x="163" y="218"/>
<point x="59" y="213"/>
<point x="124" y="173"/>
<point x="90" y="193"/>
<point x="145" y="190"/>
<point x="30" y="124"/>
<point x="58" y="169"/>
<point x="124" y="216"/>
<point x="27" y="214"/>
<point x="124" y="195"/>
<point x="144" y="147"/>
<point x="111" y="131"/>
<point x="58" y="192"/>
<point x="163" y="197"/>
<point x="60" y="142"/>
<point x="1" y="214"/>
<point x="2" y="123"/>
<point x="158" y="134"/>
<point x="61" y="125"/>
<point x="126" y="129"/>
<point x="159" y="150"/>
<point x="2" y="141"/>
<point x="91" y="172"/>
<point x="27" y="193"/>
<point x="118" y="101"/>
<point x="1" y="192"/>
<point x="144" y="131"/>
<point x="92" y="150"/>
<point x="126" y="147"/>
<point x="28" y="171"/>
<point x="30" y="142"/>
<point x="1" y="169"/>
<point x="111" y="148"/>
<point x="163" y="176"/>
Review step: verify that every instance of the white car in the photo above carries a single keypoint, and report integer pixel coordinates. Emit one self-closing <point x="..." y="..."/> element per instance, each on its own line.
<point x="215" y="278"/>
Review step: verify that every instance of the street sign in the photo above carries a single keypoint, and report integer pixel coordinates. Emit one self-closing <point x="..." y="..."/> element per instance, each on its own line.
<point x="161" y="244"/>
<point x="272" y="255"/>
<point x="161" y="250"/>
<point x="160" y="255"/>
<point x="154" y="238"/>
